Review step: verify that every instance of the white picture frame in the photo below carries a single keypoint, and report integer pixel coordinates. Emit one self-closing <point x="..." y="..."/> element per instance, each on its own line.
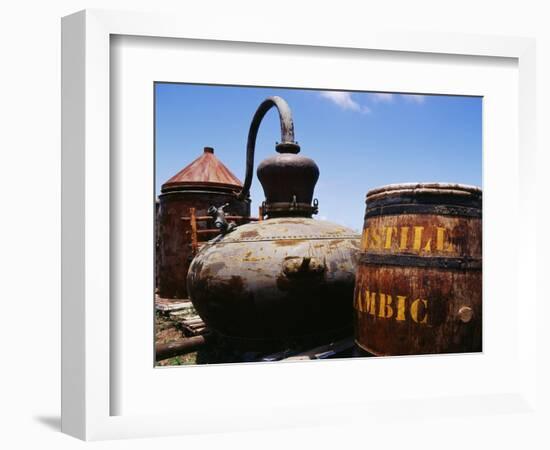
<point x="88" y="327"/>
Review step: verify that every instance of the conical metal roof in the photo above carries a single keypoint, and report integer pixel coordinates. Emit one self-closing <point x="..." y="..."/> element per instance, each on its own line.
<point x="206" y="170"/>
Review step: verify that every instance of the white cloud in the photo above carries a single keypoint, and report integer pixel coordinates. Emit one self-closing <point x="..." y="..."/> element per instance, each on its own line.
<point x="344" y="101"/>
<point x="413" y="98"/>
<point x="383" y="98"/>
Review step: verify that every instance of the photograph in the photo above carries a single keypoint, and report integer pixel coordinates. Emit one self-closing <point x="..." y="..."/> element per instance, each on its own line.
<point x="298" y="224"/>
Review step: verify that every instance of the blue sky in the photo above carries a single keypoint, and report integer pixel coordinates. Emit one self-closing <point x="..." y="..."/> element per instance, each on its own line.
<point x="358" y="140"/>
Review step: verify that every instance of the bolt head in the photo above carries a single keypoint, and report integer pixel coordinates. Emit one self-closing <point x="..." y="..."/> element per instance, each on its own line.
<point x="465" y="314"/>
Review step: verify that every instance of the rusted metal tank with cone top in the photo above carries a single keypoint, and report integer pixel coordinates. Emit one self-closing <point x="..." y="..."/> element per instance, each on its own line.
<point x="191" y="191"/>
<point x="285" y="280"/>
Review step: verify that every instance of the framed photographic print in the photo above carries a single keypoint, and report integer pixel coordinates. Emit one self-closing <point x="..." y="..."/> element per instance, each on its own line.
<point x="232" y="287"/>
<point x="217" y="243"/>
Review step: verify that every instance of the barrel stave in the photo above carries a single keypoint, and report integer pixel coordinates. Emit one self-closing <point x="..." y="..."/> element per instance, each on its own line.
<point x="419" y="280"/>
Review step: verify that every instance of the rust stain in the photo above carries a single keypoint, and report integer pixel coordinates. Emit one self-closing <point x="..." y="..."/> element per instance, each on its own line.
<point x="214" y="268"/>
<point x="251" y="259"/>
<point x="288" y="242"/>
<point x="236" y="284"/>
<point x="249" y="234"/>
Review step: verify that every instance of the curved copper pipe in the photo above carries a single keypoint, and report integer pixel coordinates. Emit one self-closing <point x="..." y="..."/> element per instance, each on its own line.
<point x="287" y="144"/>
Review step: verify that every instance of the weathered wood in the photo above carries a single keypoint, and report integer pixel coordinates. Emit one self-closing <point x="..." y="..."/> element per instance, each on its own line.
<point x="180" y="347"/>
<point x="195" y="324"/>
<point x="418" y="285"/>
<point x="197" y="321"/>
<point x="168" y="305"/>
<point x="192" y="326"/>
<point x="193" y="319"/>
<point x="179" y="315"/>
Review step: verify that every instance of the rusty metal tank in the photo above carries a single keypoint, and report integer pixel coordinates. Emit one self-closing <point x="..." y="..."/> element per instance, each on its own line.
<point x="419" y="280"/>
<point x="204" y="182"/>
<point x="285" y="280"/>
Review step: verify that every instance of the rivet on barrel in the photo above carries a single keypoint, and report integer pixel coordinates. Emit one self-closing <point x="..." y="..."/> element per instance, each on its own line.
<point x="465" y="314"/>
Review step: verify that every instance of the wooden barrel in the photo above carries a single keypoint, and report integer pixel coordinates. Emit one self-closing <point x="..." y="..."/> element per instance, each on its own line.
<point x="418" y="283"/>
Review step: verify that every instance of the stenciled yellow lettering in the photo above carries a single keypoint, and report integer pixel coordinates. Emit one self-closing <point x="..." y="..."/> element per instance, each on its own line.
<point x="376" y="241"/>
<point x="386" y="311"/>
<point x="359" y="301"/>
<point x="404" y="238"/>
<point x="400" y="307"/>
<point x="370" y="301"/>
<point x="417" y="241"/>
<point x="389" y="233"/>
<point x="440" y="239"/>
<point x="414" y="311"/>
<point x="428" y="246"/>
<point x="441" y="245"/>
<point x="365" y="239"/>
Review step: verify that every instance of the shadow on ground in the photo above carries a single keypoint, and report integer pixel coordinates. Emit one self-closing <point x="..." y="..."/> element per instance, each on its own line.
<point x="51" y="422"/>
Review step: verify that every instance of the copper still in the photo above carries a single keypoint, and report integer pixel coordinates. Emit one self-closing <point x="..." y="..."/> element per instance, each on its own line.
<point x="285" y="280"/>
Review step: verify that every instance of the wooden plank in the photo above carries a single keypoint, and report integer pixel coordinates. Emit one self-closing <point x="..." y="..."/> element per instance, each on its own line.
<point x="195" y="317"/>
<point x="179" y="314"/>
<point x="192" y="326"/>
<point x="167" y="305"/>
<point x="193" y="322"/>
